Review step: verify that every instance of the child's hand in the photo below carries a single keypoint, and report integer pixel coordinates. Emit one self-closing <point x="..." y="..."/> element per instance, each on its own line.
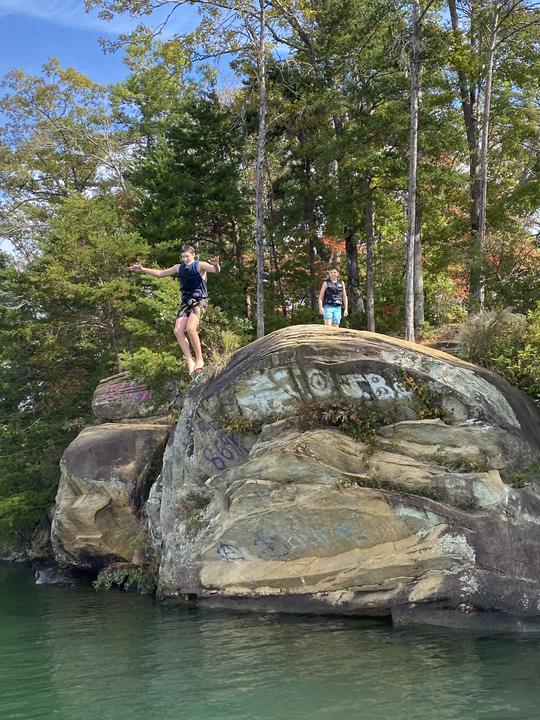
<point x="345" y="313"/>
<point x="136" y="267"/>
<point x="215" y="261"/>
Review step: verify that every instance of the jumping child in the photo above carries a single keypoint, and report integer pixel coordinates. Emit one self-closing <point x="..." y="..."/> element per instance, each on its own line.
<point x="332" y="298"/>
<point x="192" y="277"/>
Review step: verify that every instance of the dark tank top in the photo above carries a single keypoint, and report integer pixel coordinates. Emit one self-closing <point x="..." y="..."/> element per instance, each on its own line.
<point x="333" y="295"/>
<point x="192" y="282"/>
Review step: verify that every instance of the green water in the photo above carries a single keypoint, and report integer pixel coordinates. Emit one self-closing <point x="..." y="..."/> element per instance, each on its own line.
<point x="74" y="654"/>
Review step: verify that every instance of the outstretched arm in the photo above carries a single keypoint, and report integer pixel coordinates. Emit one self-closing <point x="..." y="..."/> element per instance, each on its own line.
<point x="212" y="266"/>
<point x="138" y="268"/>
<point x="321" y="297"/>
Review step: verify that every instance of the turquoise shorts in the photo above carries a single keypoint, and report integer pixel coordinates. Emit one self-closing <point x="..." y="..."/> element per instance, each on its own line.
<point x="333" y="313"/>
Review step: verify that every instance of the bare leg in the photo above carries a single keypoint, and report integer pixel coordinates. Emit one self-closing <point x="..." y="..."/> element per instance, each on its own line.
<point x="180" y="332"/>
<point x="193" y="335"/>
<point x="328" y="322"/>
<point x="335" y="325"/>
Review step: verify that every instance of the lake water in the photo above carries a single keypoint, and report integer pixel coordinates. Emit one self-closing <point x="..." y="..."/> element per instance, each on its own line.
<point x="75" y="654"/>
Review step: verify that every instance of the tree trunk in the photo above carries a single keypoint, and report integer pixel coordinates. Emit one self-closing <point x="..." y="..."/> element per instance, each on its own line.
<point x="413" y="164"/>
<point x="468" y="96"/>
<point x="418" y="272"/>
<point x="483" y="161"/>
<point x="370" y="267"/>
<point x="259" y="179"/>
<point x="313" y="294"/>
<point x="353" y="281"/>
<point x="273" y="251"/>
<point x="240" y="265"/>
<point x="309" y="224"/>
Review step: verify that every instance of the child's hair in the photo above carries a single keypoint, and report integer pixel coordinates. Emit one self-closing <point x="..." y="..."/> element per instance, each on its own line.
<point x="333" y="267"/>
<point x="189" y="249"/>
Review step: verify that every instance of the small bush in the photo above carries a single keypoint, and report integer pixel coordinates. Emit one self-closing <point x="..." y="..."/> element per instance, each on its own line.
<point x="125" y="576"/>
<point x="426" y="402"/>
<point x="193" y="504"/>
<point x="351" y="418"/>
<point x="507" y="343"/>
<point x="375" y="483"/>
<point x="239" y="425"/>
<point x="522" y="477"/>
<point x="155" y="369"/>
<point x="194" y="501"/>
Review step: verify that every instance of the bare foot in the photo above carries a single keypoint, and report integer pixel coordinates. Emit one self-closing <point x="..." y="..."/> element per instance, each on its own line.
<point x="190" y="365"/>
<point x="198" y="367"/>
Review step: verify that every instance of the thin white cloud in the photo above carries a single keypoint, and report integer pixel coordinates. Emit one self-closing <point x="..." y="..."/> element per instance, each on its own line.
<point x="71" y="13"/>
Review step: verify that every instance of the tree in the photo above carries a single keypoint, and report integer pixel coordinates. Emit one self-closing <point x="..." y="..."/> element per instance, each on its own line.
<point x="488" y="37"/>
<point x="61" y="331"/>
<point x="412" y="226"/>
<point x="59" y="138"/>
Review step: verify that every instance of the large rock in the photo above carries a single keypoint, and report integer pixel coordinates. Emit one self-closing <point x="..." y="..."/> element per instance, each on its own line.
<point x="117" y="398"/>
<point x="106" y="474"/>
<point x="416" y="519"/>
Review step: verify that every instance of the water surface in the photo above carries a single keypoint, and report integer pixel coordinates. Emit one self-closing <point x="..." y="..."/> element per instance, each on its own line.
<point x="74" y="654"/>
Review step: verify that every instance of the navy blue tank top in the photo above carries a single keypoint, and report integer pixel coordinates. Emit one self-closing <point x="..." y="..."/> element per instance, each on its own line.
<point x="192" y="282"/>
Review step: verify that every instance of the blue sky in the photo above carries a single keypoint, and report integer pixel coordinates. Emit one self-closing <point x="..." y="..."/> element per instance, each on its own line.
<point x="33" y="30"/>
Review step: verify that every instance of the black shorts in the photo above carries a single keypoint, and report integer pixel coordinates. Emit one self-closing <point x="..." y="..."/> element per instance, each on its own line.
<point x="193" y="306"/>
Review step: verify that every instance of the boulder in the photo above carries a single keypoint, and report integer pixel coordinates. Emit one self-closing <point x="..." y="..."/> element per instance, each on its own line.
<point x="260" y="506"/>
<point x="117" y="397"/>
<point x="40" y="546"/>
<point x="106" y="475"/>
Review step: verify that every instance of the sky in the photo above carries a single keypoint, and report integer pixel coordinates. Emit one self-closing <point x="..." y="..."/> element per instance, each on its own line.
<point x="31" y="31"/>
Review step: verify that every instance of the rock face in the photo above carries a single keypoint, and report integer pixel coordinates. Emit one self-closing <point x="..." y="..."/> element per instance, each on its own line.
<point x="259" y="506"/>
<point x="107" y="472"/>
<point x="117" y="398"/>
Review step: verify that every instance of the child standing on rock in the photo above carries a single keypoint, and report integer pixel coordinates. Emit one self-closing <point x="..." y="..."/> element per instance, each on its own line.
<point x="192" y="276"/>
<point x="333" y="299"/>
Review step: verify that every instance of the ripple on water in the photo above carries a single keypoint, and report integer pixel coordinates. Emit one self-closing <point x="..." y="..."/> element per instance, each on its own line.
<point x="73" y="654"/>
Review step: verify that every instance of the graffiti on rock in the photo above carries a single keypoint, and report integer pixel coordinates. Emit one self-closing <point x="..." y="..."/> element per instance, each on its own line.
<point x="230" y="552"/>
<point x="223" y="447"/>
<point x="275" y="390"/>
<point x="273" y="545"/>
<point x="126" y="392"/>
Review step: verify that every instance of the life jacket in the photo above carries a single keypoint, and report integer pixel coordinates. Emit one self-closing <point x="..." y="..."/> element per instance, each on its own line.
<point x="192" y="282"/>
<point x="333" y="295"/>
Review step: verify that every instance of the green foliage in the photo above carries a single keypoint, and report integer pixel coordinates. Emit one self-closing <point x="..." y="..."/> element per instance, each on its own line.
<point x="427" y="491"/>
<point x="426" y="402"/>
<point x="60" y="333"/>
<point x="353" y="419"/>
<point x="443" y="304"/>
<point x="461" y="464"/>
<point x="194" y="501"/>
<point x="193" y="504"/>
<point x="125" y="576"/>
<point x="521" y="478"/>
<point x="508" y="344"/>
<point x="239" y="425"/>
<point x="155" y="369"/>
<point x="20" y="514"/>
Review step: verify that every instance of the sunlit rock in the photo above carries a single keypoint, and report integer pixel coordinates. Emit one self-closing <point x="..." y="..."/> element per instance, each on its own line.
<point x="415" y="517"/>
<point x="106" y="475"/>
